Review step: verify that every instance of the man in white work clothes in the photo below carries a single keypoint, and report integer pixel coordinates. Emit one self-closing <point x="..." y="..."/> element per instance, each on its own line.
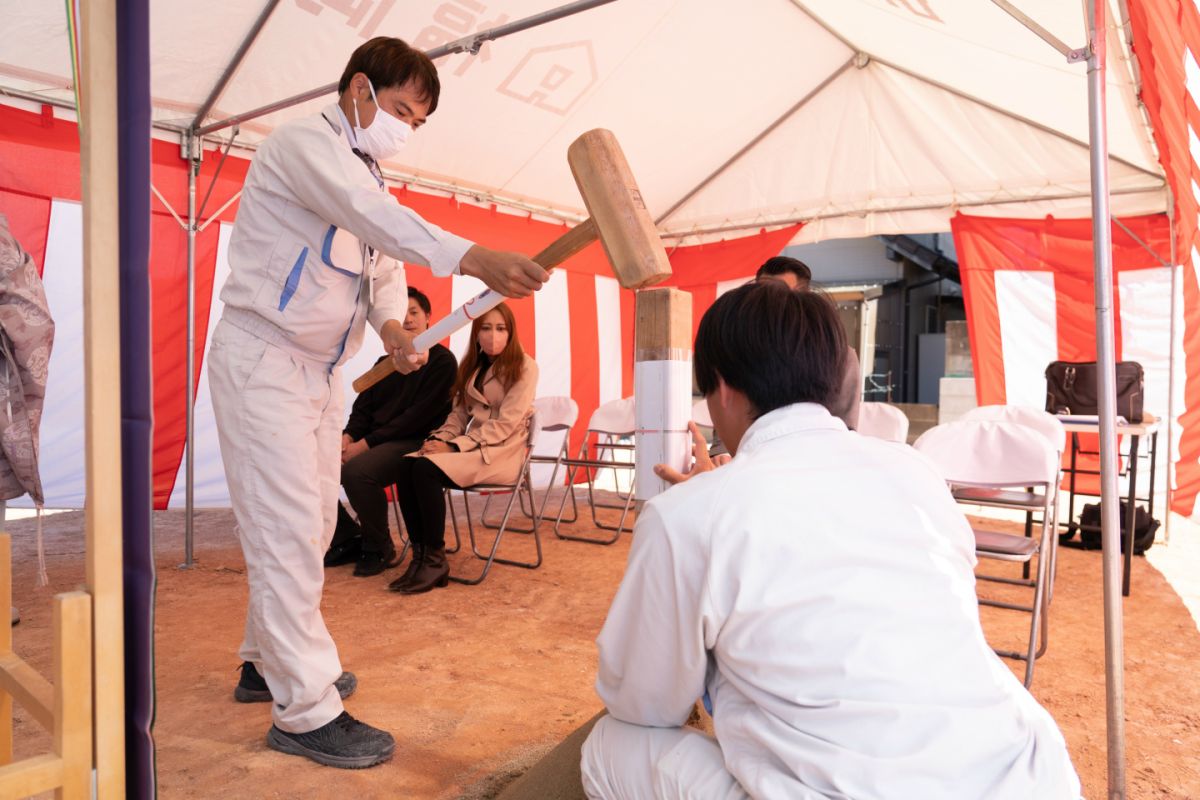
<point x="314" y="255"/>
<point x="818" y="593"/>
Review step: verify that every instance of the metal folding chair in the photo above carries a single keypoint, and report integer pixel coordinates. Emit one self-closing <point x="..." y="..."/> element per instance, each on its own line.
<point x="1003" y="456"/>
<point x="522" y="483"/>
<point x="557" y="414"/>
<point x="883" y="421"/>
<point x="609" y="434"/>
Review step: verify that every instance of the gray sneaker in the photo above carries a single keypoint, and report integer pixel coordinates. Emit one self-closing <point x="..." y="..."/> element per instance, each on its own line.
<point x="345" y="743"/>
<point x="252" y="687"/>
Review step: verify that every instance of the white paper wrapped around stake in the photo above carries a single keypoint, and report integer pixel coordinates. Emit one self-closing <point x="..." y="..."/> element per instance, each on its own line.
<point x="663" y="410"/>
<point x="662" y="381"/>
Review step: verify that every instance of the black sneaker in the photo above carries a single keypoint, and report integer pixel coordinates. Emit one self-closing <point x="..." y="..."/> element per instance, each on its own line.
<point x="252" y="687"/>
<point x="339" y="554"/>
<point x="370" y="564"/>
<point x="345" y="742"/>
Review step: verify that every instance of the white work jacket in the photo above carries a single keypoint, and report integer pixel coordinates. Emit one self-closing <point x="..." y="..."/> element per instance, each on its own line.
<point x="819" y="590"/>
<point x="317" y="241"/>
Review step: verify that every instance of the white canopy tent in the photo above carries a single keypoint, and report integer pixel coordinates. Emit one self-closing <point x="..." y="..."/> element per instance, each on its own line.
<point x="856" y="117"/>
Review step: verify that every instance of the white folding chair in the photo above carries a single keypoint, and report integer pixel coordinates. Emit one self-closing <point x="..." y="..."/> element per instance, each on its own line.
<point x="883" y="421"/>
<point x="522" y="483"/>
<point x="609" y="435"/>
<point x="991" y="455"/>
<point x="1048" y="426"/>
<point x="700" y="413"/>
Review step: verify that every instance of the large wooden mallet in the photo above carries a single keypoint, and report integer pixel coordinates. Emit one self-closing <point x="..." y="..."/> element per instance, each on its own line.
<point x="618" y="217"/>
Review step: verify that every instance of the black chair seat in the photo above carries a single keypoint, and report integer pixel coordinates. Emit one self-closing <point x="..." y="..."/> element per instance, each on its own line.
<point x="1005" y="498"/>
<point x="1005" y="545"/>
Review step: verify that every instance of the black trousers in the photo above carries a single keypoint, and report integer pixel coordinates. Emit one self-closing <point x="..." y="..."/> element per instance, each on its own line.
<point x="364" y="478"/>
<point x="423" y="502"/>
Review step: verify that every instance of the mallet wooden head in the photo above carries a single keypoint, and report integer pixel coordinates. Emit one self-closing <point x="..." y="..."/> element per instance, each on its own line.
<point x="625" y="228"/>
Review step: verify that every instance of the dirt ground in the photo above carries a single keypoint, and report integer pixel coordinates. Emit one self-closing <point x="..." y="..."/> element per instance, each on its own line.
<point x="478" y="682"/>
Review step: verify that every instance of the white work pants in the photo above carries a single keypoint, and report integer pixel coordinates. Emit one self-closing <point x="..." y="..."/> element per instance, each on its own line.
<point x="630" y="762"/>
<point x="279" y="419"/>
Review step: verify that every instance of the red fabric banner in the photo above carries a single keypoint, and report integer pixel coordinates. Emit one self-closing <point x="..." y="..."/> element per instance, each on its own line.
<point x="1161" y="55"/>
<point x="39" y="161"/>
<point x="1064" y="247"/>
<point x="29" y="221"/>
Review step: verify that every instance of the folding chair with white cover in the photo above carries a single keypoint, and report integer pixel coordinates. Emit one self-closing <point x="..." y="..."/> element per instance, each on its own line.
<point x="522" y="483"/>
<point x="986" y="454"/>
<point x="1049" y="426"/>
<point x="557" y="414"/>
<point x="602" y="444"/>
<point x="700" y="413"/>
<point x="883" y="421"/>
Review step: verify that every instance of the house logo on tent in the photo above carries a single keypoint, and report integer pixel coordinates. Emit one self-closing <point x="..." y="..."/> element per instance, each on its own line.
<point x="553" y="78"/>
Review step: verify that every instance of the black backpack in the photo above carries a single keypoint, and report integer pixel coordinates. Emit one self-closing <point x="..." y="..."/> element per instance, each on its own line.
<point x="1144" y="528"/>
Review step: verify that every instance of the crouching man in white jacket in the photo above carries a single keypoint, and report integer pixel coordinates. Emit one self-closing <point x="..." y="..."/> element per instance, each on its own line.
<point x="818" y="593"/>
<point x="313" y="257"/>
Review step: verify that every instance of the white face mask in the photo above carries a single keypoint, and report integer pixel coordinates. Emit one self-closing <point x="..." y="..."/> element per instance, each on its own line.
<point x="384" y="137"/>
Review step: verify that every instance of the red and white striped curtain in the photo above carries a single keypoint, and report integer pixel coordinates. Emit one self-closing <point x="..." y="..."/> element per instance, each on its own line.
<point x="579" y="327"/>
<point x="1030" y="300"/>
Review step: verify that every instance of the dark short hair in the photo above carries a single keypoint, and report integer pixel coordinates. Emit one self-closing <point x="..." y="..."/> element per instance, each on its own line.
<point x="422" y="300"/>
<point x="388" y="62"/>
<point x="781" y="264"/>
<point x="776" y="346"/>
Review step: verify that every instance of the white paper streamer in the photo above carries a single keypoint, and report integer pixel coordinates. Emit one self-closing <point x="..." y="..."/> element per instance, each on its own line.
<point x="662" y="409"/>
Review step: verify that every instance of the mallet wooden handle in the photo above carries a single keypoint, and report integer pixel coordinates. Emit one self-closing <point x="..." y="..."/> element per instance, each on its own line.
<point x="554" y="254"/>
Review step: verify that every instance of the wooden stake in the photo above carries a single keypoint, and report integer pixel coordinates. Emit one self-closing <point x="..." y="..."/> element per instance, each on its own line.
<point x="73" y="693"/>
<point x="662" y="385"/>
<point x="102" y="387"/>
<point x="663" y="325"/>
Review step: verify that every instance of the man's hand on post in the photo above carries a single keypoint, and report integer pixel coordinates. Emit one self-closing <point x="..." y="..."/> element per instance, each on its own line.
<point x="399" y="344"/>
<point x="510" y="274"/>
<point x="700" y="460"/>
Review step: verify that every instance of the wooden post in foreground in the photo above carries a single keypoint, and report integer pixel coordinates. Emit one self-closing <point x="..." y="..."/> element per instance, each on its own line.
<point x="102" y="385"/>
<point x="662" y="385"/>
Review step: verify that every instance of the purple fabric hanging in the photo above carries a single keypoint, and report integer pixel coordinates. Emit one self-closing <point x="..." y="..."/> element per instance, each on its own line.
<point x="133" y="110"/>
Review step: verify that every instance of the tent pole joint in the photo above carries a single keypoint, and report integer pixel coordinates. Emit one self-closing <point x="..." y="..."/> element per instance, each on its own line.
<point x="1072" y="55"/>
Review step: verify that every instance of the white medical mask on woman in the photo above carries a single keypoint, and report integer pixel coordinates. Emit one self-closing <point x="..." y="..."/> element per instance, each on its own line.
<point x="386" y="134"/>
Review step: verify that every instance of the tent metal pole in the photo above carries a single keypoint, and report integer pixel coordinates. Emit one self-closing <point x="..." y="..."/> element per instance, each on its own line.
<point x="193" y="145"/>
<point x="1170" y="470"/>
<point x="235" y="62"/>
<point x="1114" y="646"/>
<point x="764" y="133"/>
<point x="467" y="44"/>
<point x="1043" y="34"/>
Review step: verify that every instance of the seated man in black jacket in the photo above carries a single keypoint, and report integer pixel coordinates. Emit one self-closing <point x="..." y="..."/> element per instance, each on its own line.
<point x="390" y="419"/>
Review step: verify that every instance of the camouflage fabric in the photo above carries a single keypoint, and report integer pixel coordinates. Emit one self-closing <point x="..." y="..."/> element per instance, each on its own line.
<point x="26" y="336"/>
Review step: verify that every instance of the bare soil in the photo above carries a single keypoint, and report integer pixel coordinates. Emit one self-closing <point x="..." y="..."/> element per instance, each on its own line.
<point x="477" y="683"/>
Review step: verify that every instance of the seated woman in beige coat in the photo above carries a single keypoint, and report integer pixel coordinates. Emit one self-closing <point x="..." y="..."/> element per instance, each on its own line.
<point x="482" y="441"/>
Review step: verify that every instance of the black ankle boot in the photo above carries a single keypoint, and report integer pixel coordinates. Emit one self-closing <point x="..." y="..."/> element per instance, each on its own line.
<point x="432" y="572"/>
<point x="414" y="563"/>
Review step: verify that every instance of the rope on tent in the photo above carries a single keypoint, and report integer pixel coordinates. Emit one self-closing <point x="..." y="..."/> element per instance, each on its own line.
<point x="73" y="39"/>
